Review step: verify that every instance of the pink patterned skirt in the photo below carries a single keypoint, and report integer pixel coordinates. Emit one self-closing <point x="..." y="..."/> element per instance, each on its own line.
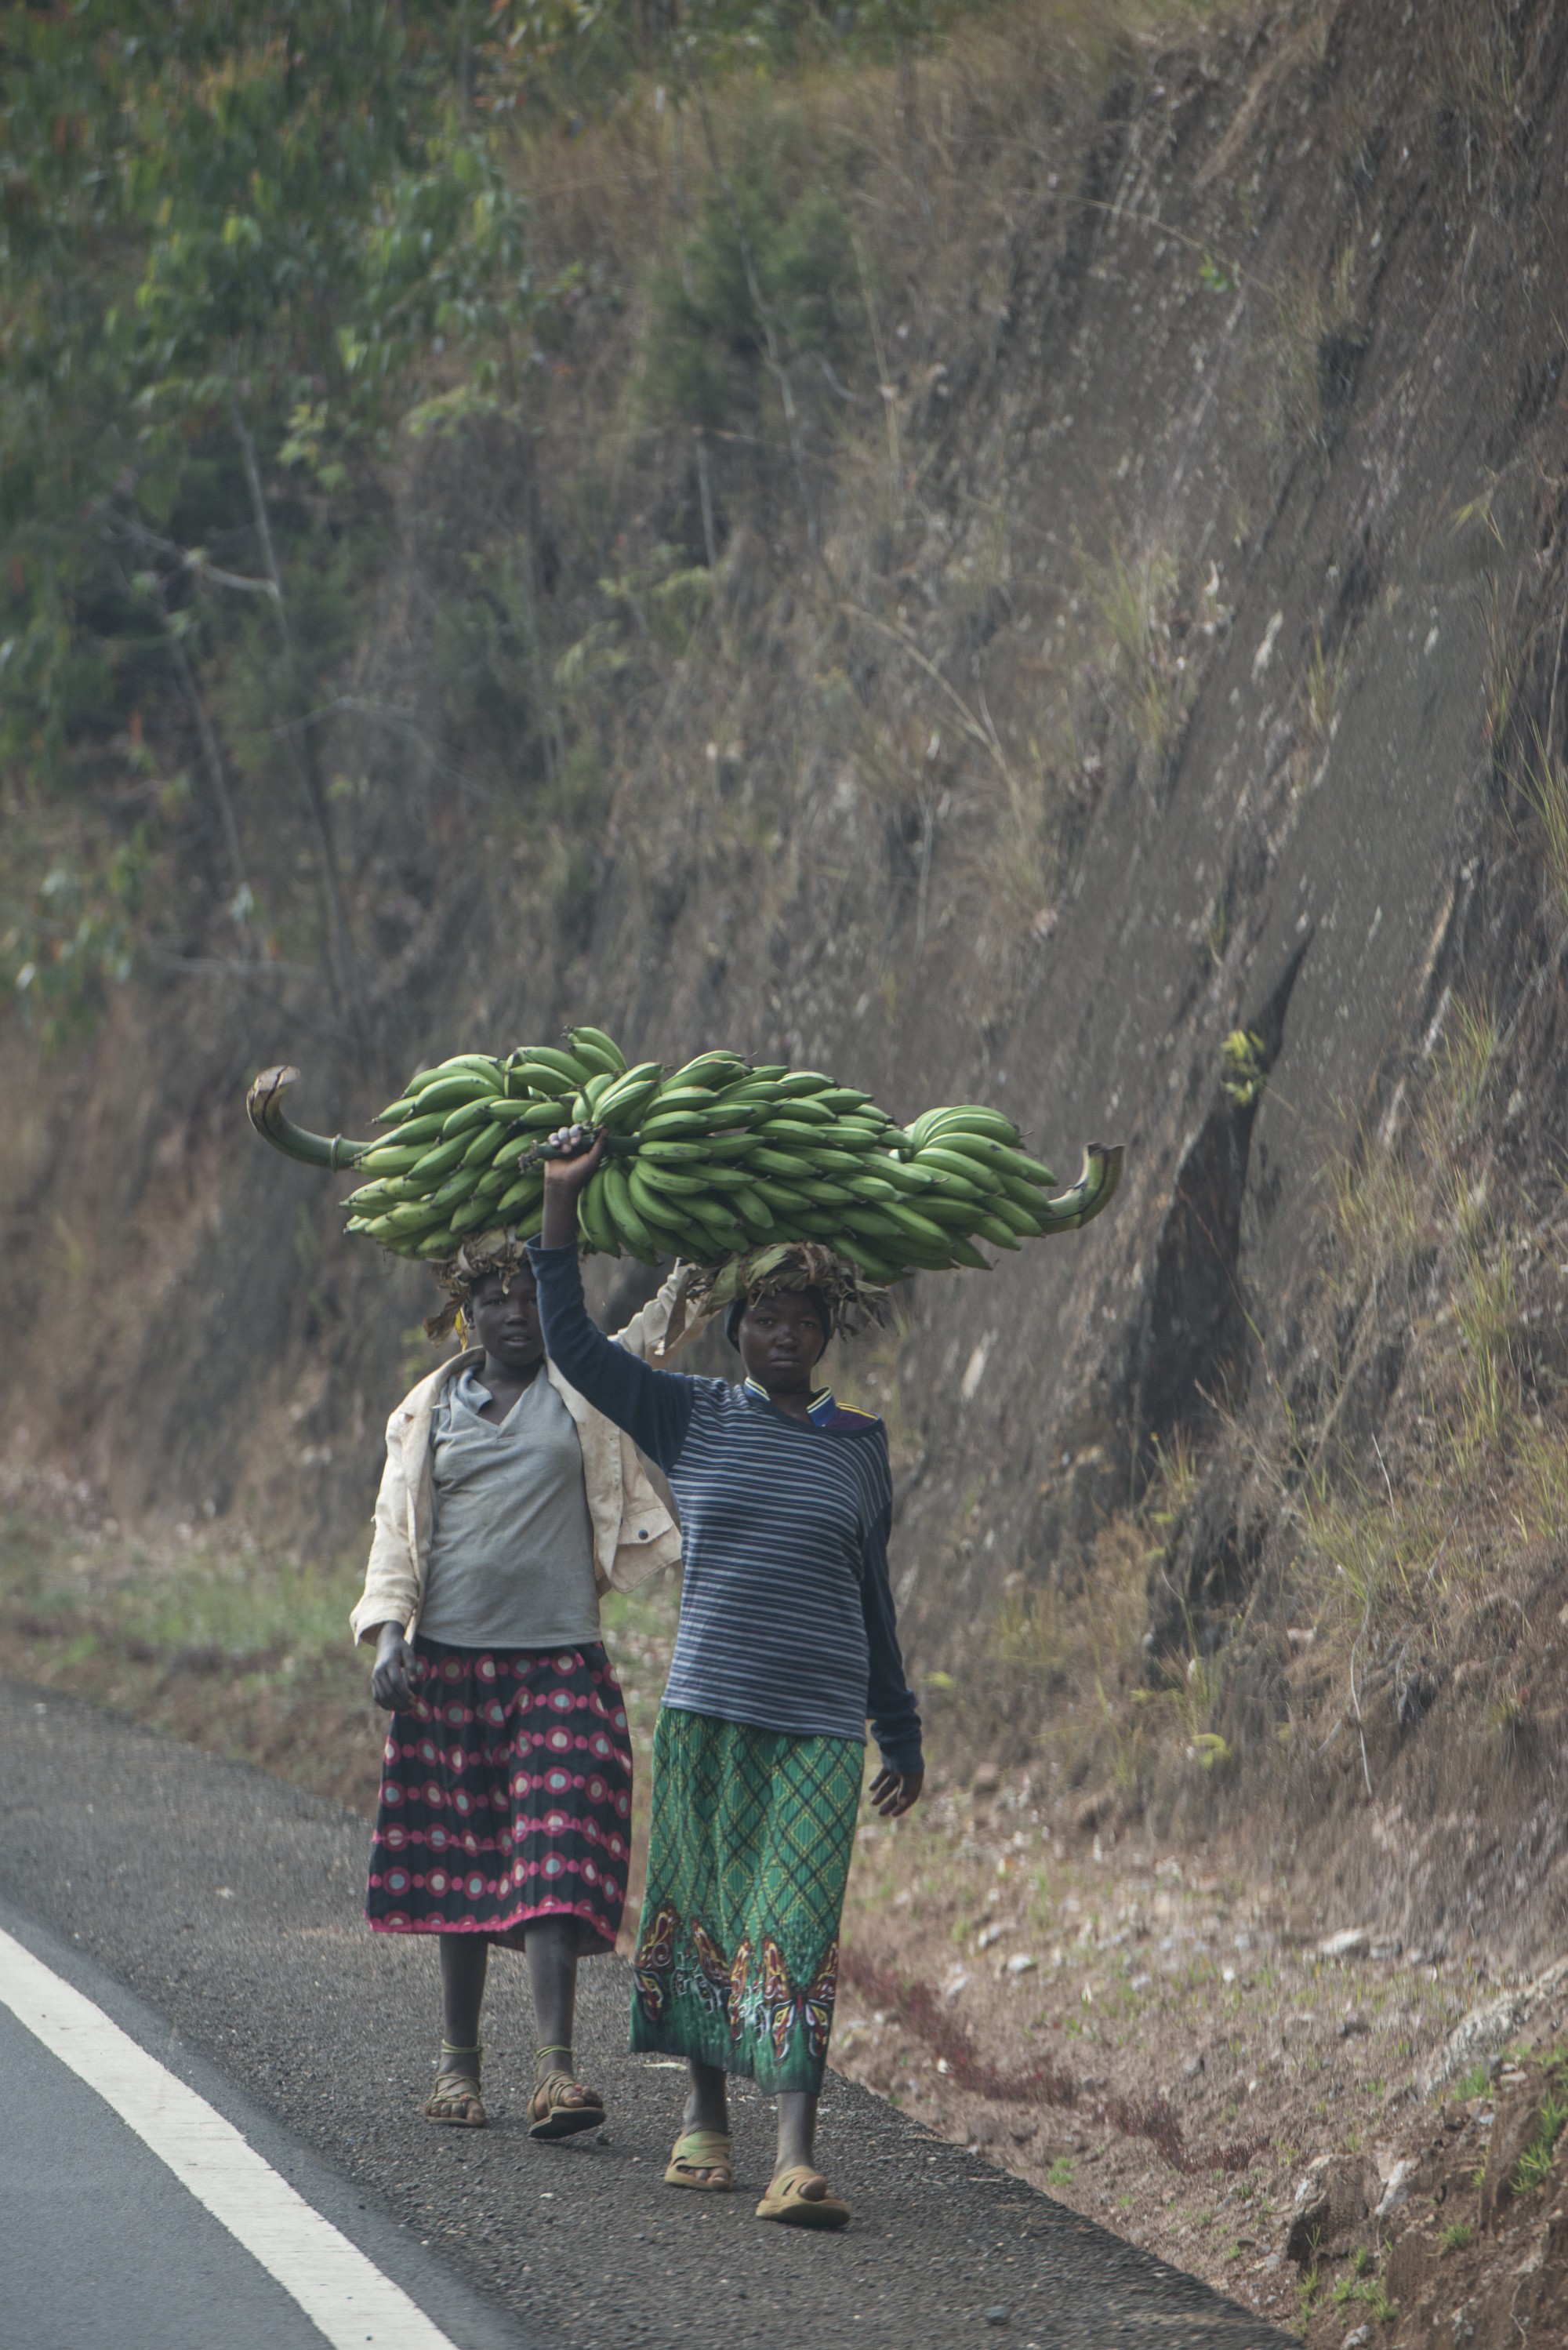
<point x="505" y="1796"/>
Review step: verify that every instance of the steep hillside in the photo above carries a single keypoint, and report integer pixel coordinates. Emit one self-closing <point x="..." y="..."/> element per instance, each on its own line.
<point x="1013" y="570"/>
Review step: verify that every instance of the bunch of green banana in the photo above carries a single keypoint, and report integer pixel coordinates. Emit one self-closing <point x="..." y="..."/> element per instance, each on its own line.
<point x="712" y="1160"/>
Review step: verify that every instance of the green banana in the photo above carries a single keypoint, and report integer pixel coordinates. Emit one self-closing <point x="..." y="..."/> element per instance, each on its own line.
<point x="914" y="1226"/>
<point x="621" y="1209"/>
<point x="673" y="1096"/>
<point x="593" y="1218"/>
<point x="1023" y="1223"/>
<point x="781" y="1196"/>
<point x="711" y="1070"/>
<point x="806" y="1110"/>
<point x="622" y="1102"/>
<point x="787" y="1163"/>
<point x="672" y="1154"/>
<point x="439" y="1159"/>
<point x="676" y="1183"/>
<point x="483" y="1146"/>
<point x="654" y="1206"/>
<point x="716" y="1156"/>
<point x="454" y="1093"/>
<point x="437" y="1246"/>
<point x="550" y="1071"/>
<point x="1000" y="1234"/>
<point x="423" y="1128"/>
<point x="475" y="1211"/>
<point x="460" y="1065"/>
<point x="598" y="1051"/>
<point x="971" y="1117"/>
<point x="754" y="1212"/>
<point x="961" y="1164"/>
<point x="470" y="1114"/>
<point x="874" y="1224"/>
<point x="867" y="1261"/>
<point x="712" y="1213"/>
<point x="670" y="1126"/>
<point x="526" y="1194"/>
<point x="790" y="1134"/>
<point x="902" y="1173"/>
<point x="393" y="1158"/>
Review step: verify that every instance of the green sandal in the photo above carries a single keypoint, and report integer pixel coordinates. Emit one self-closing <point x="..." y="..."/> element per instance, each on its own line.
<point x="802" y="2198"/>
<point x="700" y="2159"/>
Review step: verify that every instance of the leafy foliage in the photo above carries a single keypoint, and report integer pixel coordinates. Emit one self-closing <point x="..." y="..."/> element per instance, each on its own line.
<point x="248" y="248"/>
<point x="237" y="240"/>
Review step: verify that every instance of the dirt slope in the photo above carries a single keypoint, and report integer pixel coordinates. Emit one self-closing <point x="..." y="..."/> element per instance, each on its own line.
<point x="1143" y="667"/>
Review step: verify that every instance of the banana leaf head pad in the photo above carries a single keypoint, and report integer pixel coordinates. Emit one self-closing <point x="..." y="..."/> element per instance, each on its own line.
<point x="843" y="1299"/>
<point x="500" y="1251"/>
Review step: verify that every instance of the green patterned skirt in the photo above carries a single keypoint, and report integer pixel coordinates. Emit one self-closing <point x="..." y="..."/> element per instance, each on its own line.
<point x="748" y="1855"/>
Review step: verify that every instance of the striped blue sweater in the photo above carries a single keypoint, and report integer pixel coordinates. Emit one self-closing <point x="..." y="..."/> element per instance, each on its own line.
<point x="786" y="1618"/>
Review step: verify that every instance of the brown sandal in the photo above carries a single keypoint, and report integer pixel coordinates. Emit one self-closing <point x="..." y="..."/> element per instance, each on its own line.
<point x="561" y="2107"/>
<point x="459" y="2089"/>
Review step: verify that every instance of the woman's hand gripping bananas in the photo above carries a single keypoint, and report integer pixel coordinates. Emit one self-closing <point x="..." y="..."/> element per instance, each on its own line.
<point x="570" y="1158"/>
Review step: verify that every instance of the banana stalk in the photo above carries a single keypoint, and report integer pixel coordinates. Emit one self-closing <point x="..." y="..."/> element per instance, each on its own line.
<point x="264" y="1107"/>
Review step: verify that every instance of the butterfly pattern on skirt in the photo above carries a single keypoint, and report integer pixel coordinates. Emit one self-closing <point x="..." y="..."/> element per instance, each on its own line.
<point x="712" y="1983"/>
<point x="810" y="2009"/>
<point x="654" y="1964"/>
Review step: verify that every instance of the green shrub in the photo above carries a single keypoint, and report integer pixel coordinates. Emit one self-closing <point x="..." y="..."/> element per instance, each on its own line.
<point x="762" y="262"/>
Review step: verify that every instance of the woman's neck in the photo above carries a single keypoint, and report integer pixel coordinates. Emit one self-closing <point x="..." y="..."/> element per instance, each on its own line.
<point x="506" y="1383"/>
<point x="796" y="1401"/>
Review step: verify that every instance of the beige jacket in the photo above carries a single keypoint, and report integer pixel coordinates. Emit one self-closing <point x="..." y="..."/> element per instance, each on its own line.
<point x="634" y="1534"/>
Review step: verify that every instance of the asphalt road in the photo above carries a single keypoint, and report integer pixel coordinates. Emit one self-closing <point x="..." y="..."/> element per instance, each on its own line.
<point x="215" y="1912"/>
<point x="153" y="2256"/>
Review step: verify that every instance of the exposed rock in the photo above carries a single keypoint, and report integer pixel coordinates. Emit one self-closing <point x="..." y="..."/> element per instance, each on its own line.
<point x="1485" y="2029"/>
<point x="1397" y="2189"/>
<point x="1336" y="2197"/>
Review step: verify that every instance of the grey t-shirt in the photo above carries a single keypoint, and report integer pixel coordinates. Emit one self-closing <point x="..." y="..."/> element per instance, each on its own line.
<point x="512" y="1548"/>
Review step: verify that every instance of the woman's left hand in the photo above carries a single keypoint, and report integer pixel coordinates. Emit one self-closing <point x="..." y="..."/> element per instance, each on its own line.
<point x="894" y="1792"/>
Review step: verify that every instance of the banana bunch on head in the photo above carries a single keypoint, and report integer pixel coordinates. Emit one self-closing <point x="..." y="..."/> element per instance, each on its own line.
<point x="707" y="1163"/>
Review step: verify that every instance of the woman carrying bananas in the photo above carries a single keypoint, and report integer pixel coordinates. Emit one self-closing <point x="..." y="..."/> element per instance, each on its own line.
<point x="786" y="1643"/>
<point x="507" y="1505"/>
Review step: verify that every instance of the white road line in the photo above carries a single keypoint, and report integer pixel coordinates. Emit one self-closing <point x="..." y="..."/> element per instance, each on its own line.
<point x="338" y="2289"/>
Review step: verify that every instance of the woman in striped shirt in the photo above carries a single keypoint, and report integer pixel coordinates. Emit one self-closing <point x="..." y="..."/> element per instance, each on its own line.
<point x="787" y="1644"/>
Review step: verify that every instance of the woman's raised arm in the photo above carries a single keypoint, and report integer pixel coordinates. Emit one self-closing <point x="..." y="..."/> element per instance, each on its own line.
<point x="654" y="1407"/>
